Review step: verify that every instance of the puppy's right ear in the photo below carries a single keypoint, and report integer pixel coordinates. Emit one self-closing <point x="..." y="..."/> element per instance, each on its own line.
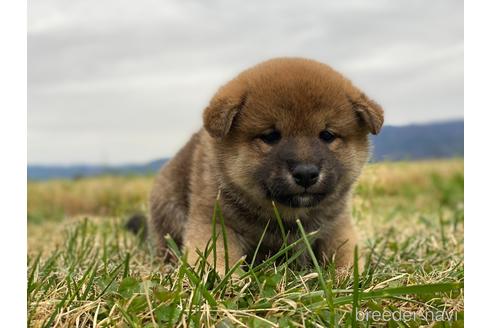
<point x="223" y="108"/>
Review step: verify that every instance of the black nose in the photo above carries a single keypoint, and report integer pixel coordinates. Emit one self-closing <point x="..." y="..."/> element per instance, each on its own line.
<point x="305" y="175"/>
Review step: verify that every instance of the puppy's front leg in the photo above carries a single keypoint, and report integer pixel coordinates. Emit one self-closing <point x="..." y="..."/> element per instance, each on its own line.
<point x="199" y="234"/>
<point x="337" y="242"/>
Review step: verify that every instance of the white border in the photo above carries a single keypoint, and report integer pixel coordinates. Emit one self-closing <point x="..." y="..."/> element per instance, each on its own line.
<point x="478" y="129"/>
<point x="13" y="136"/>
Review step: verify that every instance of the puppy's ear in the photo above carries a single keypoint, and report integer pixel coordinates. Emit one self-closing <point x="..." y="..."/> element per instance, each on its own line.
<point x="223" y="108"/>
<point x="369" y="111"/>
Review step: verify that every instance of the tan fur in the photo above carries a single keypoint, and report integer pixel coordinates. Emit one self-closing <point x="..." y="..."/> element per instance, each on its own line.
<point x="300" y="98"/>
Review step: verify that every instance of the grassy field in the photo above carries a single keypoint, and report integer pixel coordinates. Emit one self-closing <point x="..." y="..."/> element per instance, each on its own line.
<point x="85" y="270"/>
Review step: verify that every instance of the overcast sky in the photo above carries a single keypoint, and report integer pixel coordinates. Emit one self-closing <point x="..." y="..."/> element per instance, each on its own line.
<point x="120" y="81"/>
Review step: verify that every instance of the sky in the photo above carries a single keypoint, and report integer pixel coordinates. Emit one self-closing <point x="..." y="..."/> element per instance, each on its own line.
<point x="125" y="81"/>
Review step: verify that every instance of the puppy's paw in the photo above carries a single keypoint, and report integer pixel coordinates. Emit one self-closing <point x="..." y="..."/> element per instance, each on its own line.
<point x="234" y="271"/>
<point x="346" y="271"/>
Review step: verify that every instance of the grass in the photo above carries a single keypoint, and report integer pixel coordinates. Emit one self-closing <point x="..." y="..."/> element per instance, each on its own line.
<point x="85" y="270"/>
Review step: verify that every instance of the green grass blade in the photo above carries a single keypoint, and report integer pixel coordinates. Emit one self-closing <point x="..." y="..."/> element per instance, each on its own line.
<point x="224" y="237"/>
<point x="403" y="290"/>
<point x="280" y="223"/>
<point x="355" y="294"/>
<point x="321" y="279"/>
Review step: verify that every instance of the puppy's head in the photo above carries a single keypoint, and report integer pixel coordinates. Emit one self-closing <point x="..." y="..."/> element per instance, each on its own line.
<point x="291" y="130"/>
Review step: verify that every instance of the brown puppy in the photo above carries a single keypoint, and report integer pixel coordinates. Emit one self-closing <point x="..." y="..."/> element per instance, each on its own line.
<point x="289" y="130"/>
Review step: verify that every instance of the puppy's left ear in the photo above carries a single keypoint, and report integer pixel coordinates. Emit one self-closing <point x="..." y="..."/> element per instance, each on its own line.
<point x="223" y="108"/>
<point x="369" y="111"/>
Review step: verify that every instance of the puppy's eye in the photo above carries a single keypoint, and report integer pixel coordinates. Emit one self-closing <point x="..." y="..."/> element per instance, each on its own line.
<point x="327" y="136"/>
<point x="271" y="137"/>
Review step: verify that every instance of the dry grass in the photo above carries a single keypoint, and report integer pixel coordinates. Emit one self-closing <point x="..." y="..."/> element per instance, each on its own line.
<point x="104" y="196"/>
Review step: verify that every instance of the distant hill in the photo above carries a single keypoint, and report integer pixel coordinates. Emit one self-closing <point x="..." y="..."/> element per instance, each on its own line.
<point x="419" y="141"/>
<point x="409" y="142"/>
<point x="43" y="172"/>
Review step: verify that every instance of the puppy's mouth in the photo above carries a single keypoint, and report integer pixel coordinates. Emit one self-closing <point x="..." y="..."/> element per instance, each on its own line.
<point x="304" y="199"/>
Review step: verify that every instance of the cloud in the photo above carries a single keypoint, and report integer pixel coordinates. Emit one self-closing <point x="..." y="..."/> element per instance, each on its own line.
<point x="121" y="81"/>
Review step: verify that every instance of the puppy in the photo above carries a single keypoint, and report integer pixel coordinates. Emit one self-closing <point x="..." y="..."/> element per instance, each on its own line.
<point x="290" y="131"/>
